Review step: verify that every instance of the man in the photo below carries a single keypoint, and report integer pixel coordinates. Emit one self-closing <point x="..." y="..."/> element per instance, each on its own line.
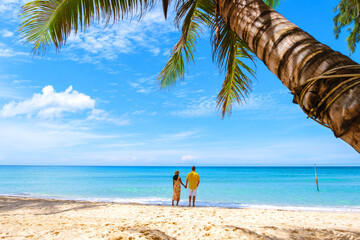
<point x="194" y="180"/>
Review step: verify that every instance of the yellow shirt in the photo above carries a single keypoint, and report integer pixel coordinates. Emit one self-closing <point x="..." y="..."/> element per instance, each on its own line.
<point x="193" y="178"/>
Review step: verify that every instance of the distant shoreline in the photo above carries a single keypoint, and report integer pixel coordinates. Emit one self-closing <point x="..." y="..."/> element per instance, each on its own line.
<point x="189" y="166"/>
<point x="183" y="203"/>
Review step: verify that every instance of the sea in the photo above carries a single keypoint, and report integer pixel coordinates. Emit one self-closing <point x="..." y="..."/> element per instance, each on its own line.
<point x="287" y="188"/>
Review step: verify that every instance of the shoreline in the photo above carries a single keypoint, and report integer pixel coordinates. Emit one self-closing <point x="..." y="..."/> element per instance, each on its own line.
<point x="183" y="203"/>
<point x="36" y="218"/>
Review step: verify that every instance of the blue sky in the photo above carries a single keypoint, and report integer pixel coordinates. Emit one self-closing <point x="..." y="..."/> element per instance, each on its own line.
<point x="96" y="101"/>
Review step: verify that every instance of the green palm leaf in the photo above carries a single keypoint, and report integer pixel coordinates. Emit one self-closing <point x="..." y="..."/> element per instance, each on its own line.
<point x="348" y="15"/>
<point x="237" y="85"/>
<point x="182" y="53"/>
<point x="229" y="52"/>
<point x="272" y="3"/>
<point x="46" y="21"/>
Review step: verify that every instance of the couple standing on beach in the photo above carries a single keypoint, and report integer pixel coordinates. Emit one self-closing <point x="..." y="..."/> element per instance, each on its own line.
<point x="193" y="179"/>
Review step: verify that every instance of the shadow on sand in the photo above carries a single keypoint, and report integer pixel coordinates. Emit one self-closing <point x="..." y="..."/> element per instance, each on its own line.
<point x="261" y="233"/>
<point x="121" y="232"/>
<point x="275" y="233"/>
<point x="49" y="206"/>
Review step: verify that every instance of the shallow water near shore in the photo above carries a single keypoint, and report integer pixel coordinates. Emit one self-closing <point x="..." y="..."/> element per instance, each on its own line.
<point x="234" y="187"/>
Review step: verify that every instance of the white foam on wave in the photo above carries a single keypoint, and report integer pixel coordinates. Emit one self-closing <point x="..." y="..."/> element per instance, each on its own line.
<point x="167" y="202"/>
<point x="305" y="208"/>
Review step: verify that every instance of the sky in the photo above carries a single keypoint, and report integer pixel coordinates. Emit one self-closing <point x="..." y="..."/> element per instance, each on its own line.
<point x="96" y="102"/>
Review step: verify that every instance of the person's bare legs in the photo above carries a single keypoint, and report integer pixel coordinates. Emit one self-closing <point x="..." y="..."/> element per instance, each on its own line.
<point x="189" y="201"/>
<point x="193" y="201"/>
<point x="177" y="203"/>
<point x="172" y="203"/>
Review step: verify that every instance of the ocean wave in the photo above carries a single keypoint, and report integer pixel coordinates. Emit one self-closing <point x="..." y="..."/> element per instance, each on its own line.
<point x="167" y="202"/>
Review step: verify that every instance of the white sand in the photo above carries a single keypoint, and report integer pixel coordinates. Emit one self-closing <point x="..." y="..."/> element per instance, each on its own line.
<point x="27" y="218"/>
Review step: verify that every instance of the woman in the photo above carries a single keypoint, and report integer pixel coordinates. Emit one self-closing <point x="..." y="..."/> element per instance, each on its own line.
<point x="176" y="188"/>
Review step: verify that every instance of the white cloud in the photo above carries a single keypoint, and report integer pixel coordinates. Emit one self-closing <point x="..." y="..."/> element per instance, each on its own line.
<point x="272" y="105"/>
<point x="124" y="37"/>
<point x="155" y="51"/>
<point x="101" y="115"/>
<point x="143" y="112"/>
<point x="183" y="93"/>
<point x="11" y="8"/>
<point x="166" y="52"/>
<point x="123" y="145"/>
<point x="144" y="84"/>
<point x="5" y="6"/>
<point x="121" y="38"/>
<point x="258" y="102"/>
<point x="178" y="136"/>
<point x="260" y="105"/>
<point x="9" y="92"/>
<point x="21" y="81"/>
<point x="188" y="158"/>
<point x="7" y="76"/>
<point x="49" y="103"/>
<point x="134" y="85"/>
<point x="204" y="106"/>
<point x="138" y="112"/>
<point x="5" y="33"/>
<point x="9" y="52"/>
<point x="144" y="90"/>
<point x="35" y="136"/>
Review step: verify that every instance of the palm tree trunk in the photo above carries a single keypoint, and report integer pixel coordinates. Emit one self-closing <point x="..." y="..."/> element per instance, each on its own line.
<point x="295" y="57"/>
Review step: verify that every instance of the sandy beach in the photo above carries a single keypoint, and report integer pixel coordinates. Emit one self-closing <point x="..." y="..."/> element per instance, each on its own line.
<point x="28" y="218"/>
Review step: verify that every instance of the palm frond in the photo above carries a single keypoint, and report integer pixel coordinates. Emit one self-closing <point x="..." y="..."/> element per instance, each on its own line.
<point x="182" y="53"/>
<point x="348" y="15"/>
<point x="237" y="85"/>
<point x="272" y="3"/>
<point x="51" y="21"/>
<point x="224" y="41"/>
<point x="165" y="5"/>
<point x="229" y="52"/>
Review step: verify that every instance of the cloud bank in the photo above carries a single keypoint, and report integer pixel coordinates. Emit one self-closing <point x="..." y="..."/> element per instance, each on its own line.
<point x="49" y="103"/>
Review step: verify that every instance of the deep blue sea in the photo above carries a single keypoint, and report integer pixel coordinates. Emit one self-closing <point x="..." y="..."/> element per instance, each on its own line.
<point x="235" y="187"/>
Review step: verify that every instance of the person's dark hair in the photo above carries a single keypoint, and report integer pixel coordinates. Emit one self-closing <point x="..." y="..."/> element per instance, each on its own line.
<point x="193" y="168"/>
<point x="175" y="177"/>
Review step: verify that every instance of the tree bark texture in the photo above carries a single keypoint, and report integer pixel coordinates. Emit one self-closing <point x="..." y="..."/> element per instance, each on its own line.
<point x="294" y="56"/>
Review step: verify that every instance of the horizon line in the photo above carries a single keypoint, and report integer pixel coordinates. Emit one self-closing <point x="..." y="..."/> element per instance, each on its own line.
<point x="59" y="165"/>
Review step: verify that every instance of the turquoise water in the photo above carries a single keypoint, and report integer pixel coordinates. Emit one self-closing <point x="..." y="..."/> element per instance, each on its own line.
<point x="239" y="187"/>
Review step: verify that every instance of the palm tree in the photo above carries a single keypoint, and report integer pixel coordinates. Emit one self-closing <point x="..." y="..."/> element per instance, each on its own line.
<point x="324" y="82"/>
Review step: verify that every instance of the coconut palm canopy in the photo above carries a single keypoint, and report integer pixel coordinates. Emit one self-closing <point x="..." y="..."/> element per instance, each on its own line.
<point x="52" y="22"/>
<point x="318" y="77"/>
